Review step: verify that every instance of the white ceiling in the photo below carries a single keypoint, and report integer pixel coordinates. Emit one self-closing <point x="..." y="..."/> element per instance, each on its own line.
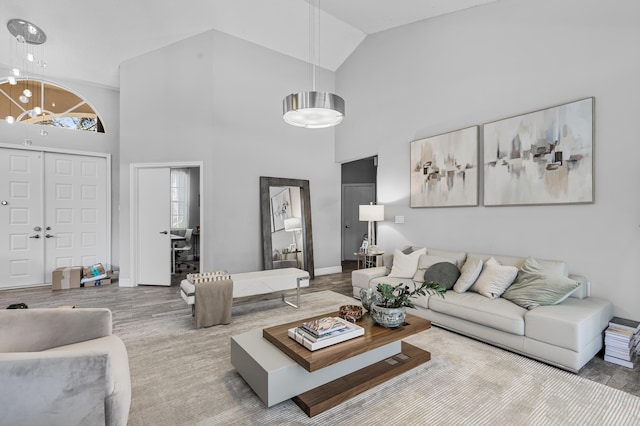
<point x="88" y="40"/>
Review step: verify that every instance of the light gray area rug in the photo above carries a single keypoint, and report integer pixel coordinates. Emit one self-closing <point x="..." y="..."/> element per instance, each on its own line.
<point x="183" y="376"/>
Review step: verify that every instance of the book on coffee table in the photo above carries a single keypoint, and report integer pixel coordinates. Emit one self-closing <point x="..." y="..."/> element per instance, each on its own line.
<point x="339" y="334"/>
<point x="324" y="326"/>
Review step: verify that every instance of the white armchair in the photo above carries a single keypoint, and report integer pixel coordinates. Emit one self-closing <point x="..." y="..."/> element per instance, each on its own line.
<point x="62" y="367"/>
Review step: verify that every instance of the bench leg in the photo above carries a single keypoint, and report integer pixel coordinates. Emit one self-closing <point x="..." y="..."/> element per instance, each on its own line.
<point x="297" y="304"/>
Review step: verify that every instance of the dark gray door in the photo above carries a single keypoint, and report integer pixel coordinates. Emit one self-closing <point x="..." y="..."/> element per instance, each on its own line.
<point x="353" y="231"/>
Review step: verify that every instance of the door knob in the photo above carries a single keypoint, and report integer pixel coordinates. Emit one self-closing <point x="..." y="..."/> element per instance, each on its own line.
<point x="49" y="236"/>
<point x="37" y="229"/>
<point x="35" y="236"/>
<point x="347" y="226"/>
<point x="164" y="232"/>
<point x="4" y="203"/>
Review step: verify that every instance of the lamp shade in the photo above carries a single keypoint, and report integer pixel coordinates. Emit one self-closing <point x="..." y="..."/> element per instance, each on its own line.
<point x="371" y="213"/>
<point x="313" y="110"/>
<point x="292" y="224"/>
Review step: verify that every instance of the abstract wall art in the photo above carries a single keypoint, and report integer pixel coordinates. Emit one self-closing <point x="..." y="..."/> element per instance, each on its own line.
<point x="543" y="157"/>
<point x="444" y="169"/>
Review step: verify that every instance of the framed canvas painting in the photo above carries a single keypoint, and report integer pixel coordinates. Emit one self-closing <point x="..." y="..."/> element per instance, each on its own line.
<point x="280" y="209"/>
<point x="444" y="169"/>
<point x="543" y="157"/>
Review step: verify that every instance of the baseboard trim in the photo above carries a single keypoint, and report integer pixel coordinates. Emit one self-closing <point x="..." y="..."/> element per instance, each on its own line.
<point x="327" y="271"/>
<point x="125" y="282"/>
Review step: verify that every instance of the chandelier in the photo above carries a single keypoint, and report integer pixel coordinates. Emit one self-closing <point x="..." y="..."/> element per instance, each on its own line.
<point x="28" y="51"/>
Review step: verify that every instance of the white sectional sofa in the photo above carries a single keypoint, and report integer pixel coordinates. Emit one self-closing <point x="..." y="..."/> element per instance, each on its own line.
<point x="566" y="335"/>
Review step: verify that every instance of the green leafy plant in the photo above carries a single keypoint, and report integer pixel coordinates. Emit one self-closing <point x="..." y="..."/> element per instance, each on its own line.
<point x="398" y="296"/>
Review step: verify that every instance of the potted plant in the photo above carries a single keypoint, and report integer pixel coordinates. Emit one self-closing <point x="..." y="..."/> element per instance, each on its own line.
<point x="389" y="309"/>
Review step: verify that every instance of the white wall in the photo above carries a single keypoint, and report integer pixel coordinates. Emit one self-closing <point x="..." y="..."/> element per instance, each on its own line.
<point x="496" y="61"/>
<point x="104" y="100"/>
<point x="218" y="99"/>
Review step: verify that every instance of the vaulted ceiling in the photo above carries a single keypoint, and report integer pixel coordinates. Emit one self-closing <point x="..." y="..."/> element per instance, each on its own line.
<point x="87" y="41"/>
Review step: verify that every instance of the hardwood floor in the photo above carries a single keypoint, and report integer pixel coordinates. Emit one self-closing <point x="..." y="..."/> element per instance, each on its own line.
<point x="131" y="304"/>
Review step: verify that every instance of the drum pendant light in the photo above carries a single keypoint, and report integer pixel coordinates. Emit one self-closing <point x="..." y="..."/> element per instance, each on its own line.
<point x="313" y="109"/>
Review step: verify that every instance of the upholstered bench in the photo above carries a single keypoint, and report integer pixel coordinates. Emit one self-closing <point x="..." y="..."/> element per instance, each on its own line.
<point x="259" y="282"/>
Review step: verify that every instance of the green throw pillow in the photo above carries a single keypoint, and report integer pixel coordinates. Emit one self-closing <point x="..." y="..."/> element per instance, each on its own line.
<point x="534" y="286"/>
<point x="444" y="273"/>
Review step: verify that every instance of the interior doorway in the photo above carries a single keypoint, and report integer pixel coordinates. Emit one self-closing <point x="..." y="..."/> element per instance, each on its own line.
<point x="166" y="207"/>
<point x="358" y="187"/>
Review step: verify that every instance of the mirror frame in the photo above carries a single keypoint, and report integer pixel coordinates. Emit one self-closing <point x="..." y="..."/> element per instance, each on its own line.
<point x="265" y="219"/>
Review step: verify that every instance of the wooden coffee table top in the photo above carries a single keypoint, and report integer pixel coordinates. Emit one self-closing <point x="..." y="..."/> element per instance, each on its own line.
<point x="374" y="336"/>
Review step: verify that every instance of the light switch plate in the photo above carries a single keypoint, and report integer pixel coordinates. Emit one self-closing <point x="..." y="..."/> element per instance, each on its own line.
<point x="399" y="219"/>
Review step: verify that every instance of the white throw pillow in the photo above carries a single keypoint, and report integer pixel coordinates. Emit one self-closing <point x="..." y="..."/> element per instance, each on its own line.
<point x="468" y="275"/>
<point x="405" y="265"/>
<point x="494" y="279"/>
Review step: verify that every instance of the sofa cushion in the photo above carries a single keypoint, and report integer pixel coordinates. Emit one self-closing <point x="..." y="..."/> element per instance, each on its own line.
<point x="557" y="266"/>
<point x="458" y="256"/>
<point x="426" y="261"/>
<point x="494" y="279"/>
<point x="535" y="286"/>
<point x="405" y="265"/>
<point x="444" y="273"/>
<point x="468" y="275"/>
<point x="499" y="314"/>
<point x="394" y="281"/>
<point x="571" y="324"/>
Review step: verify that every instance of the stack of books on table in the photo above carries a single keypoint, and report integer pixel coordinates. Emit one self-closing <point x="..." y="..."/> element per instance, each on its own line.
<point x="323" y="332"/>
<point x="622" y="341"/>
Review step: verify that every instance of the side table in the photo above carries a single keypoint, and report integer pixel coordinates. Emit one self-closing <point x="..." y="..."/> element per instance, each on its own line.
<point x="368" y="260"/>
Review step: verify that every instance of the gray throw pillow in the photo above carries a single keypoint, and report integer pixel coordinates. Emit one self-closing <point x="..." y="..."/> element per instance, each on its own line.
<point x="444" y="273"/>
<point x="534" y="286"/>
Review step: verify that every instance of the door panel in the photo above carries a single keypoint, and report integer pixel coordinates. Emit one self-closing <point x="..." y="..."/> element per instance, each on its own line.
<point x="76" y="210"/>
<point x="22" y="256"/>
<point x="353" y="231"/>
<point x="154" y="226"/>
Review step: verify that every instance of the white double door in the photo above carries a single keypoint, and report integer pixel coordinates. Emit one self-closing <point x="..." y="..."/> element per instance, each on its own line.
<point x="53" y="212"/>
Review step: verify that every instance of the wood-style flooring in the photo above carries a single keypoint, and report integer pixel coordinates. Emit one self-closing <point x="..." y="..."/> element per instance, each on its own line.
<point x="131" y="304"/>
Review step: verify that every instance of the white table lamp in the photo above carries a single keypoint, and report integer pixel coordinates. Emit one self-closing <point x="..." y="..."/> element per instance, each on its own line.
<point x="371" y="213"/>
<point x="293" y="224"/>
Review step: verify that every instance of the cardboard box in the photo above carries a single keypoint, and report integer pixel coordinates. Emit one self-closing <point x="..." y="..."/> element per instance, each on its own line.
<point x="66" y="277"/>
<point x="100" y="282"/>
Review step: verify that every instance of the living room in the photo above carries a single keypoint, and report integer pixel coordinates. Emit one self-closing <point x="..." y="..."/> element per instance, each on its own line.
<point x="194" y="100"/>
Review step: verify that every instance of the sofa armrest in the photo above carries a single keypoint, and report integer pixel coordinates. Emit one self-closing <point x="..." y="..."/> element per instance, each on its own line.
<point x="30" y="330"/>
<point x="53" y="388"/>
<point x="360" y="278"/>
<point x="584" y="289"/>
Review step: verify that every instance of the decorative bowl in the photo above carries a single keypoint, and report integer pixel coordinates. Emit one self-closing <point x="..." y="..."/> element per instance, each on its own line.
<point x="350" y="312"/>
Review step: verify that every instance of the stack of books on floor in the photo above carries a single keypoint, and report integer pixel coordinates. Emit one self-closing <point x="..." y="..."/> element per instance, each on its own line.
<point x="323" y="332"/>
<point x="622" y="341"/>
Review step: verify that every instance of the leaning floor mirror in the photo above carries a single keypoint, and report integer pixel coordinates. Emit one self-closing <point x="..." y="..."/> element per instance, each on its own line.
<point x="285" y="210"/>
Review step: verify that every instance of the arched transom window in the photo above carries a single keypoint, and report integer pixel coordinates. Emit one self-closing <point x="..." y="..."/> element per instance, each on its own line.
<point x="38" y="102"/>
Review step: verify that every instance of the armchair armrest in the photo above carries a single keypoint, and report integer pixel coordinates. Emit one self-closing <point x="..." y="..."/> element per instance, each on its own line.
<point x="29" y="330"/>
<point x="53" y="387"/>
